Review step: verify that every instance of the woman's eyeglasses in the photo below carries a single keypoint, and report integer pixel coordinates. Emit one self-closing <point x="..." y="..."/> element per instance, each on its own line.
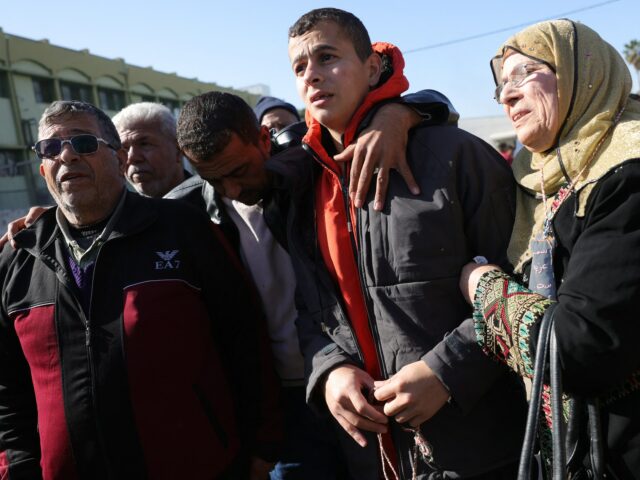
<point x="83" y="144"/>
<point x="517" y="76"/>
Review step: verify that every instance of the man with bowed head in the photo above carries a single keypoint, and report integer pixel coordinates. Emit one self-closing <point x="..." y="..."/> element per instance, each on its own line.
<point x="246" y="192"/>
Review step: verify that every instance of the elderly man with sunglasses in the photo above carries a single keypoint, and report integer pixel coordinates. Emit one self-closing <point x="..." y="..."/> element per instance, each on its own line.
<point x="127" y="349"/>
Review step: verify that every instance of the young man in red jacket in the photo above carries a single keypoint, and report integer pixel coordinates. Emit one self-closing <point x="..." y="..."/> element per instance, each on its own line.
<point x="382" y="322"/>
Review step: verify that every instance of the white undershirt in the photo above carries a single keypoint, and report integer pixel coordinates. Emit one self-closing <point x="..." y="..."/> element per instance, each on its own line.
<point x="270" y="267"/>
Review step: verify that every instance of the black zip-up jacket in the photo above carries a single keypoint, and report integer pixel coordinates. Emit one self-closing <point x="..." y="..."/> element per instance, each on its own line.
<point x="158" y="381"/>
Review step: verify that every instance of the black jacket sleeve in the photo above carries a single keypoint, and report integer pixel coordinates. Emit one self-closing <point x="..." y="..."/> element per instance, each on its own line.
<point x="486" y="191"/>
<point x="19" y="440"/>
<point x="241" y="329"/>
<point x="434" y="107"/>
<point x="321" y="354"/>
<point x="597" y="314"/>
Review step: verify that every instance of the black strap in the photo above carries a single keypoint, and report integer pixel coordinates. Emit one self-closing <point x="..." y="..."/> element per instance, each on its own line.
<point x="547" y="347"/>
<point x="529" y="442"/>
<point x="597" y="439"/>
<point x="563" y="168"/>
<point x="559" y="466"/>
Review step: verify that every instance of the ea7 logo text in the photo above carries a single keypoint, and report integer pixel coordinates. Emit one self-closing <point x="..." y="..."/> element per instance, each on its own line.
<point x="167" y="261"/>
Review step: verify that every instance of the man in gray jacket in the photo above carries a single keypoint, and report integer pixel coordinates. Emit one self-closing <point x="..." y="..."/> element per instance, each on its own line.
<point x="382" y="322"/>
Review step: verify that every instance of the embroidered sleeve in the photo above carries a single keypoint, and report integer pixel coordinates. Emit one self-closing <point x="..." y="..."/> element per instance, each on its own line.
<point x="504" y="312"/>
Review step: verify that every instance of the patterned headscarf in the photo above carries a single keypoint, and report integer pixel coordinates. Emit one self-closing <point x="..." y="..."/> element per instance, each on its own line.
<point x="593" y="88"/>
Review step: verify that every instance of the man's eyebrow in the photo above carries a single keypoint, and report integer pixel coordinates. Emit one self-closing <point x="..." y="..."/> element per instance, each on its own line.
<point x="72" y="133"/>
<point x="315" y="49"/>
<point x="75" y="131"/>
<point x="137" y="136"/>
<point x="222" y="177"/>
<point x="234" y="172"/>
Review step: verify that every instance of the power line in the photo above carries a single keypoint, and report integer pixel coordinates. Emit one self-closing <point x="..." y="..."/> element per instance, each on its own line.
<point x="506" y="29"/>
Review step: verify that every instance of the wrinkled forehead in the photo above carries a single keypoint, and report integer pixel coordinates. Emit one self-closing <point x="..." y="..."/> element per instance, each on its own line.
<point x="511" y="58"/>
<point x="137" y="129"/>
<point x="68" y="125"/>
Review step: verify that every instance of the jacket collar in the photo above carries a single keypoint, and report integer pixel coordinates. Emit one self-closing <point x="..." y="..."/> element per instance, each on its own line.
<point x="137" y="213"/>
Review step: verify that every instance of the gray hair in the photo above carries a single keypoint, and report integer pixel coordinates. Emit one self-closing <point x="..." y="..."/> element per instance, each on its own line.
<point x="61" y="109"/>
<point x="147" y="112"/>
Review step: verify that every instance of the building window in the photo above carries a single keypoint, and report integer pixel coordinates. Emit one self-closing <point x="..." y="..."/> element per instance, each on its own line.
<point x="111" y="99"/>
<point x="4" y="85"/>
<point x="76" y="91"/>
<point x="8" y="163"/>
<point x="148" y="98"/>
<point x="172" y="105"/>
<point x="43" y="89"/>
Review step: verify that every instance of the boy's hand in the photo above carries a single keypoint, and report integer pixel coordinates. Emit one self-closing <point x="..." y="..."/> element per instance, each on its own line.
<point x="343" y="392"/>
<point x="413" y="395"/>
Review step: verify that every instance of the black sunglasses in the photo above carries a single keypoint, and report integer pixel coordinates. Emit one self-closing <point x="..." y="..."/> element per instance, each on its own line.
<point x="83" y="144"/>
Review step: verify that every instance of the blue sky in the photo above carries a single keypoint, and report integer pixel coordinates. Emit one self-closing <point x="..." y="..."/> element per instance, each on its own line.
<point x="238" y="43"/>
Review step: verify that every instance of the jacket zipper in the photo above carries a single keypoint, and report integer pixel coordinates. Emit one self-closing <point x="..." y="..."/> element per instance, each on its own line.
<point x="358" y="257"/>
<point x="94" y="396"/>
<point x="64" y="280"/>
<point x="323" y="326"/>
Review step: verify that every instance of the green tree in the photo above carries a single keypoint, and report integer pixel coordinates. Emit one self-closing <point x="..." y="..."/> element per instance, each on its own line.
<point x="632" y="55"/>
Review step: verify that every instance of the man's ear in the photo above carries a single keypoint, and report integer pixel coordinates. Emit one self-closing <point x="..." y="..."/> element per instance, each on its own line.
<point x="121" y="155"/>
<point x="178" y="154"/>
<point x="374" y="66"/>
<point x="42" y="170"/>
<point x="264" y="139"/>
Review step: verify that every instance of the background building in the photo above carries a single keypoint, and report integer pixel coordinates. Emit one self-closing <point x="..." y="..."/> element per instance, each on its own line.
<point x="35" y="73"/>
<point x="494" y="129"/>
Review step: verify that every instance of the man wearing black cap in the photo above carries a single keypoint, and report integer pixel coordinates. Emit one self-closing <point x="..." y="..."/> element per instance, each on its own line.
<point x="275" y="114"/>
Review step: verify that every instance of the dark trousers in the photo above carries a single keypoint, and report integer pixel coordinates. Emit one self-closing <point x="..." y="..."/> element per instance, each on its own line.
<point x="311" y="450"/>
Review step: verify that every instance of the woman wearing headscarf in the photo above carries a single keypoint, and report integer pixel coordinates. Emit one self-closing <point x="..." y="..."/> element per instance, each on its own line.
<point x="567" y="94"/>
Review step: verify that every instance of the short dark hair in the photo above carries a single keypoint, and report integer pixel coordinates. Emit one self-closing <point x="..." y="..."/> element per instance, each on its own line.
<point x="207" y="121"/>
<point x="353" y="28"/>
<point x="61" y="109"/>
